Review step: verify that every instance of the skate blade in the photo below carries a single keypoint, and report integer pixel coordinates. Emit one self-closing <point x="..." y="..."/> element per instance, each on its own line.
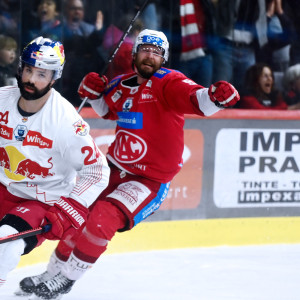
<point x="21" y="293"/>
<point x="35" y="297"/>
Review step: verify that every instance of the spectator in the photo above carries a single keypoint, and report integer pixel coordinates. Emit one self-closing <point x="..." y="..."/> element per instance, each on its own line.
<point x="292" y="8"/>
<point x="291" y="84"/>
<point x="46" y="20"/>
<point x="8" y="48"/>
<point x="280" y="34"/>
<point x="259" y="90"/>
<point x="198" y="25"/>
<point x="82" y="46"/>
<point x="9" y="17"/>
<point x="241" y="25"/>
<point x="122" y="62"/>
<point x="150" y="16"/>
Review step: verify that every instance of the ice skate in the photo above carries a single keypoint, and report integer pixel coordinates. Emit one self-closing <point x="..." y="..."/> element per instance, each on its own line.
<point x="28" y="284"/>
<point x="53" y="289"/>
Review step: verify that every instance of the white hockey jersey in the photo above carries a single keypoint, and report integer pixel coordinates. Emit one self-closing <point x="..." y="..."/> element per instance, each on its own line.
<point x="49" y="154"/>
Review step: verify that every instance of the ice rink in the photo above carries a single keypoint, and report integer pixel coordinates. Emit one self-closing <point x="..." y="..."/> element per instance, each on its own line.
<point x="269" y="272"/>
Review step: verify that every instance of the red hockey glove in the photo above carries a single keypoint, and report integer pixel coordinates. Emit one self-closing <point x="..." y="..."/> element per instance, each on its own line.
<point x="92" y="85"/>
<point x="65" y="216"/>
<point x="223" y="94"/>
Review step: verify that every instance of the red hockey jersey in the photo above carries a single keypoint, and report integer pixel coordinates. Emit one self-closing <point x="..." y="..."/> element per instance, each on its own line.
<point x="150" y="119"/>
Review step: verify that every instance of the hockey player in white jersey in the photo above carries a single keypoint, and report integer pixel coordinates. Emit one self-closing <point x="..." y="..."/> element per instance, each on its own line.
<point x="50" y="167"/>
<point x="149" y="106"/>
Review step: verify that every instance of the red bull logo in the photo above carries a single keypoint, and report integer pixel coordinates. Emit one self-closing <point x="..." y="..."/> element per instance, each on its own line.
<point x="18" y="167"/>
<point x="4" y="159"/>
<point x="80" y="128"/>
<point x="37" y="55"/>
<point x="30" y="169"/>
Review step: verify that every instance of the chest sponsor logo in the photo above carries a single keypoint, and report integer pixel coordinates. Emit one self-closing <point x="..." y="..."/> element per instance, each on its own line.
<point x="34" y="138"/>
<point x="130" y="120"/>
<point x="147" y="97"/>
<point x="20" y="132"/>
<point x="127" y="104"/>
<point x="129" y="148"/>
<point x="6" y="132"/>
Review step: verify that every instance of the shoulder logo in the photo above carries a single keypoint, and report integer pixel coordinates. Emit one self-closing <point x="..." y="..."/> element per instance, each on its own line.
<point x="80" y="128"/>
<point x="161" y="72"/>
<point x="112" y="84"/>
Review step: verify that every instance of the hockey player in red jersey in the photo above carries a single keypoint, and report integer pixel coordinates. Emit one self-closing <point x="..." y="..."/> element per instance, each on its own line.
<point x="42" y="154"/>
<point x="149" y="106"/>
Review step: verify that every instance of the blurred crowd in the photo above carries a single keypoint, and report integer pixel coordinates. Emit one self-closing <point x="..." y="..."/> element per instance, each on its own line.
<point x="253" y="44"/>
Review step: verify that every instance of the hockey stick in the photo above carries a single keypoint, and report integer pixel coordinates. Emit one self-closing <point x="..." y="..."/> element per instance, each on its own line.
<point x="25" y="234"/>
<point x="117" y="48"/>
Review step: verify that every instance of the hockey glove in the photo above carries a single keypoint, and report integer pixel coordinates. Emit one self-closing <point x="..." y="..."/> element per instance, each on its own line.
<point x="223" y="94"/>
<point x="66" y="216"/>
<point x="92" y="85"/>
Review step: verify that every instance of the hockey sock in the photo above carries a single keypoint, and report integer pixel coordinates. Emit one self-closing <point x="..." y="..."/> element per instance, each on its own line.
<point x="74" y="268"/>
<point x="103" y="222"/>
<point x="55" y="264"/>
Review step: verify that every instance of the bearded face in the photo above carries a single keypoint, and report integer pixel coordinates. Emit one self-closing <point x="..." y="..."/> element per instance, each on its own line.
<point x="148" y="60"/>
<point x="34" y="83"/>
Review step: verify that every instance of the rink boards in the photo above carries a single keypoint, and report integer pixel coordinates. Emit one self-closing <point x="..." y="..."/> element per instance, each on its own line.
<point x="239" y="185"/>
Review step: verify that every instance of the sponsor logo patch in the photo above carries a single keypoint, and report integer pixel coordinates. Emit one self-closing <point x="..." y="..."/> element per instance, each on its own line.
<point x="130" y="120"/>
<point x="80" y="128"/>
<point x="20" y="132"/>
<point x="131" y="194"/>
<point x="34" y="138"/>
<point x="129" y="148"/>
<point x="6" y="132"/>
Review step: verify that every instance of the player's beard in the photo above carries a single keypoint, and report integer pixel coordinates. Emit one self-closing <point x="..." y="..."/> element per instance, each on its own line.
<point x="36" y="94"/>
<point x="143" y="72"/>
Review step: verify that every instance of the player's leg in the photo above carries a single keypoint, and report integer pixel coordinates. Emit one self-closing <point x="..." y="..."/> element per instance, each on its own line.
<point x="10" y="253"/>
<point x="27" y="215"/>
<point x="103" y="222"/>
<point x="58" y="257"/>
<point x="127" y="203"/>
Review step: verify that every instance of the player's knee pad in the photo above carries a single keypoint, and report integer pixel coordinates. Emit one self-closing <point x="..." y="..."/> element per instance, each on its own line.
<point x="10" y="253"/>
<point x="105" y="220"/>
<point x="20" y="225"/>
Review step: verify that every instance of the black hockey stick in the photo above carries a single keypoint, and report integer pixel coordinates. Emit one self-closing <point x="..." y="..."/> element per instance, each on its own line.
<point x="24" y="234"/>
<point x="117" y="48"/>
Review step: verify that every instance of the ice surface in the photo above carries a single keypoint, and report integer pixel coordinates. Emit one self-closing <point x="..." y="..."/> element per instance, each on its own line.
<point x="219" y="273"/>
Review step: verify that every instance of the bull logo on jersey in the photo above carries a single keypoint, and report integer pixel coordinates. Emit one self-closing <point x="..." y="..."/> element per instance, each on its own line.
<point x="80" y="128"/>
<point x="4" y="159"/>
<point x="30" y="168"/>
<point x="17" y="167"/>
<point x="129" y="148"/>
